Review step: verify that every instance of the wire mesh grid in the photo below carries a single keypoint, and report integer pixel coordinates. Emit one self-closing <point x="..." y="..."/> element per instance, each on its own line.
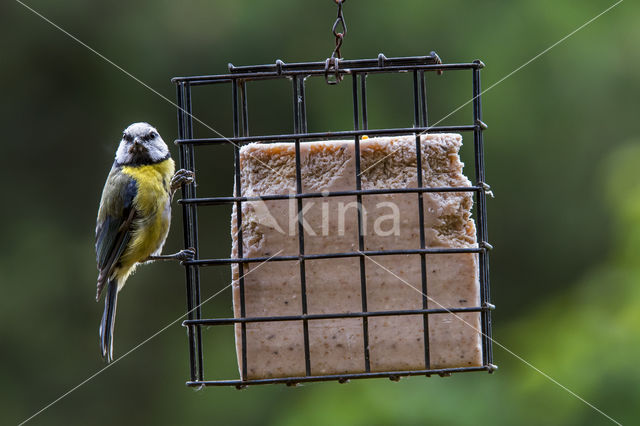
<point x="297" y="73"/>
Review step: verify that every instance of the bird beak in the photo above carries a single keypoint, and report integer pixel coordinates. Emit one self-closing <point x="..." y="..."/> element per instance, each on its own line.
<point x="137" y="146"/>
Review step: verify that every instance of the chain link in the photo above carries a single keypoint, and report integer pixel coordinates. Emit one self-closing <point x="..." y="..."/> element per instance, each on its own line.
<point x="339" y="35"/>
<point x="339" y="30"/>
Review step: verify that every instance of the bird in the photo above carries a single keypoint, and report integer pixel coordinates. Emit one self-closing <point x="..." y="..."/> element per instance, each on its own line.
<point x="134" y="217"/>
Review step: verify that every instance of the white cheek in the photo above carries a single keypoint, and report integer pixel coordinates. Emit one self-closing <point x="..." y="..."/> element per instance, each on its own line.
<point x="158" y="151"/>
<point x="122" y="156"/>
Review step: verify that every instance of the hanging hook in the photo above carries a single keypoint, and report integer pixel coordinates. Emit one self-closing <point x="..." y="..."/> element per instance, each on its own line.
<point x="332" y="66"/>
<point x="332" y="71"/>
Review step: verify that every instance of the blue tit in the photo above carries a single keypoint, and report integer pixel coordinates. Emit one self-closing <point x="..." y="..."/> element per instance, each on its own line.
<point x="134" y="216"/>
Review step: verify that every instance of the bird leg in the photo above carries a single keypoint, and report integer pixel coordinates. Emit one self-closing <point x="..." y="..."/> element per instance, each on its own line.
<point x="181" y="177"/>
<point x="181" y="256"/>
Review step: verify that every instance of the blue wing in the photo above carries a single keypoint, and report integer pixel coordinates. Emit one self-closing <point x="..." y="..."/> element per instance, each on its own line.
<point x="113" y="228"/>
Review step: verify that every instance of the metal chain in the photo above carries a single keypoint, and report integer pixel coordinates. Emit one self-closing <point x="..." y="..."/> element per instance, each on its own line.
<point x="339" y="35"/>
<point x="331" y="66"/>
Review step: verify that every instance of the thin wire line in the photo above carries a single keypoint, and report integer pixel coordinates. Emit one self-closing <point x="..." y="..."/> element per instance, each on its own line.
<point x="502" y="79"/>
<point x="496" y="342"/>
<point x="88" y="379"/>
<point x="142" y="83"/>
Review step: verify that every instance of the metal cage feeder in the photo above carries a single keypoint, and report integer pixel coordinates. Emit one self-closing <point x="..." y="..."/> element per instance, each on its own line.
<point x="334" y="71"/>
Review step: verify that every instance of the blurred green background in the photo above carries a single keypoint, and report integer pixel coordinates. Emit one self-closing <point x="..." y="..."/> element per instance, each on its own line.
<point x="562" y="155"/>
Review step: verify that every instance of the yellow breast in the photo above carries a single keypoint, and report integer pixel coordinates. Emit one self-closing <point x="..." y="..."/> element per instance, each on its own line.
<point x="152" y="203"/>
<point x="153" y="181"/>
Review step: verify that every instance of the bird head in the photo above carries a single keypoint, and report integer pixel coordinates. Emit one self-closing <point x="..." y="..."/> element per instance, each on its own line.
<point x="141" y="144"/>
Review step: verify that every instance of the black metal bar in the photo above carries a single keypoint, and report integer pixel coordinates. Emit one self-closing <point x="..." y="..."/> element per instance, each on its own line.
<point x="223" y="78"/>
<point x="303" y="105"/>
<point x="423" y="261"/>
<point x="212" y="201"/>
<point x="239" y="243"/>
<point x="297" y="101"/>
<point x="416" y="103"/>
<point x="191" y="193"/>
<point x="363" y="101"/>
<point x="342" y="377"/>
<point x="296" y="109"/>
<point x="349" y="63"/>
<point x="211" y="262"/>
<point x="183" y="159"/>
<point x="487" y="353"/>
<point x="244" y="107"/>
<point x="361" y="231"/>
<point x="423" y="101"/>
<point x="327" y="135"/>
<point x="398" y="312"/>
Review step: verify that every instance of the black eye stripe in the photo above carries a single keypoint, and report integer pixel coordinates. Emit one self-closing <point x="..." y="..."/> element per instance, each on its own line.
<point x="149" y="136"/>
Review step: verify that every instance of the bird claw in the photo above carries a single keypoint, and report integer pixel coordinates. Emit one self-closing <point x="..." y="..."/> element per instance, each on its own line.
<point x="186" y="255"/>
<point x="182" y="177"/>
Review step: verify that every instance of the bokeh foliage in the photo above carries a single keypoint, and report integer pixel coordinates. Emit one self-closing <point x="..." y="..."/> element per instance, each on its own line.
<point x="561" y="150"/>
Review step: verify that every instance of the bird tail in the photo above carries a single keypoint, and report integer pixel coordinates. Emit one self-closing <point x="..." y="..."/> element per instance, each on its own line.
<point x="108" y="320"/>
